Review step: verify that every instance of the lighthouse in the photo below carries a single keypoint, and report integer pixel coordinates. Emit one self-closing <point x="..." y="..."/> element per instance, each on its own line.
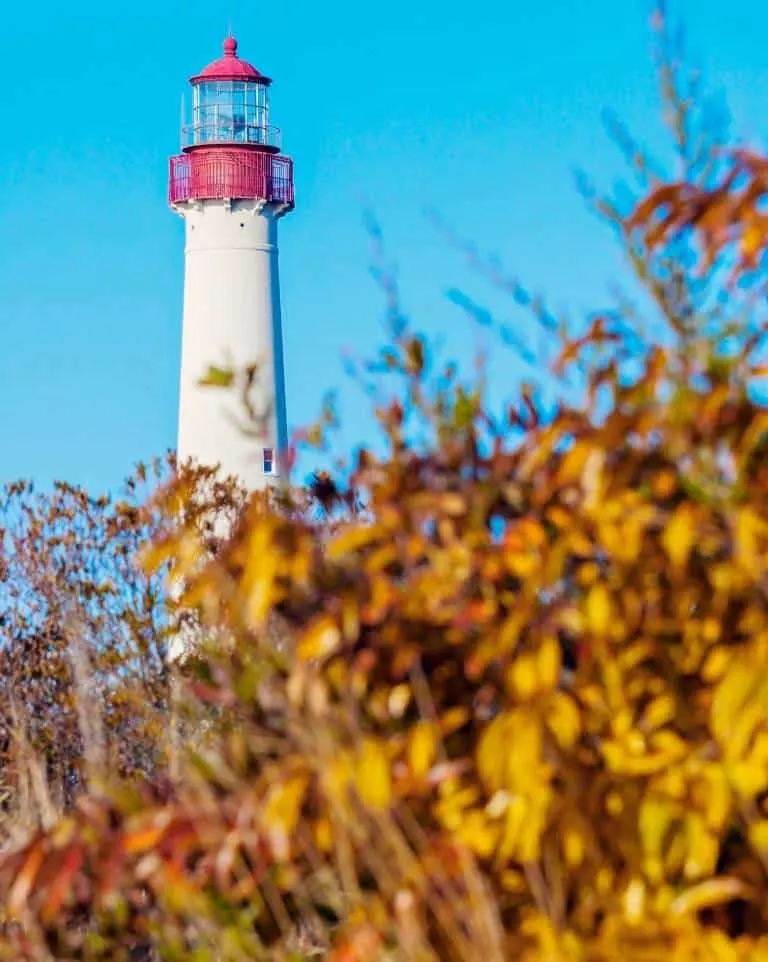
<point x="231" y="184"/>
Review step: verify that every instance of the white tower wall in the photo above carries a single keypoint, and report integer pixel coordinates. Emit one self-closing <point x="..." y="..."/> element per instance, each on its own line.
<point x="232" y="319"/>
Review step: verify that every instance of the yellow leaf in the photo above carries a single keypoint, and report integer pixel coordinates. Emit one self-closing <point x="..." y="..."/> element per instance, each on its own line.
<point x="217" y="377"/>
<point x="522" y="677"/>
<point x="478" y="833"/>
<point x="337" y="777"/>
<point x="731" y="696"/>
<point x="747" y="779"/>
<point x="454" y="803"/>
<point x="574" y="847"/>
<point x="749" y="527"/>
<point x="257" y="583"/>
<point x="563" y="720"/>
<point x="634" y="901"/>
<point x="548" y="662"/>
<point x="680" y="535"/>
<point x="157" y="553"/>
<point x="373" y="779"/>
<point x="621" y="761"/>
<point x="350" y="618"/>
<point x="707" y="894"/>
<point x="281" y="813"/>
<point x="352" y="539"/>
<point x="605" y="880"/>
<point x="399" y="699"/>
<point x="492" y="752"/>
<point x="558" y="516"/>
<point x="751" y="718"/>
<point x="572" y="464"/>
<point x="758" y="835"/>
<point x="422" y="748"/>
<point x="510" y="630"/>
<point x="529" y="846"/>
<point x="453" y="719"/>
<point x="453" y="504"/>
<point x="657" y="816"/>
<point x="660" y="712"/>
<point x="752" y="241"/>
<point x="522" y="564"/>
<point x="598" y="610"/>
<point x="514" y="823"/>
<point x="703" y="848"/>
<point x="717" y="798"/>
<point x="587" y="574"/>
<point x="321" y="639"/>
<point x="323" y="833"/>
<point x="509" y="754"/>
<point x="513" y="881"/>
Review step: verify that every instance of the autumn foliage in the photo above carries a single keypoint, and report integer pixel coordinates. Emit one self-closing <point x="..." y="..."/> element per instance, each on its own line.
<point x="82" y="628"/>
<point x="499" y="693"/>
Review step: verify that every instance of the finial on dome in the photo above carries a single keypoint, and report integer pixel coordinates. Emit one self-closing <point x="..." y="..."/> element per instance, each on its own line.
<point x="230" y="67"/>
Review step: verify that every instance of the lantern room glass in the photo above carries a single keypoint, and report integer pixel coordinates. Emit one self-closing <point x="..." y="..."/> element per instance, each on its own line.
<point x="229" y="111"/>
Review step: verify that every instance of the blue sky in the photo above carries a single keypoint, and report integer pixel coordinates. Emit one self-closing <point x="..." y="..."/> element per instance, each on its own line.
<point x="478" y="110"/>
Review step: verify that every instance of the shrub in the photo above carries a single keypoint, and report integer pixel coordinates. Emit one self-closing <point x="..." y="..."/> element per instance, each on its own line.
<point x="518" y="705"/>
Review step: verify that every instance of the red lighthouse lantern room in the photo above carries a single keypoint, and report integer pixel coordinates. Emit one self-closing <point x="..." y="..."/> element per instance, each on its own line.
<point x="230" y="150"/>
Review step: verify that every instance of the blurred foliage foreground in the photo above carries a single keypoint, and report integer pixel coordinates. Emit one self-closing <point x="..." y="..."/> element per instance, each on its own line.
<point x="507" y="702"/>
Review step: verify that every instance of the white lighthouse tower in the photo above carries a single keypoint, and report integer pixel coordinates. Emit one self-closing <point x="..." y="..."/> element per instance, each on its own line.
<point x="231" y="185"/>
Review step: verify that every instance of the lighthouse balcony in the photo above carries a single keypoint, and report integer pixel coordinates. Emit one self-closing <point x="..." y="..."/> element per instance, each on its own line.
<point x="221" y="174"/>
<point x="231" y="130"/>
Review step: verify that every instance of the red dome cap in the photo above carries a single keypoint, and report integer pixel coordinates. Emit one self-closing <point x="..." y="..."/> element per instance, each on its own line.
<point x="230" y="67"/>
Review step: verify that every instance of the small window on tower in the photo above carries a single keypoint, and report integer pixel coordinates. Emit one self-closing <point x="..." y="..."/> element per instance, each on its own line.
<point x="269" y="461"/>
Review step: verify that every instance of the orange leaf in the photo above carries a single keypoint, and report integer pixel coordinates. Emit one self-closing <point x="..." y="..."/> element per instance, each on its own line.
<point x="61" y="886"/>
<point x="22" y="885"/>
<point x="143" y="839"/>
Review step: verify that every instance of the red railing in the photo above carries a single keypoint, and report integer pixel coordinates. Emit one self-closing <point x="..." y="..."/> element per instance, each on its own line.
<point x="218" y="174"/>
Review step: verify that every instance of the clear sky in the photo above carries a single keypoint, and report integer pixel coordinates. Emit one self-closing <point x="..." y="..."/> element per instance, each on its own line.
<point x="480" y="110"/>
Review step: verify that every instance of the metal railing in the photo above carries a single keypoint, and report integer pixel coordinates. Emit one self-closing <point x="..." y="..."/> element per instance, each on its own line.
<point x="230" y="132"/>
<point x="231" y="175"/>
